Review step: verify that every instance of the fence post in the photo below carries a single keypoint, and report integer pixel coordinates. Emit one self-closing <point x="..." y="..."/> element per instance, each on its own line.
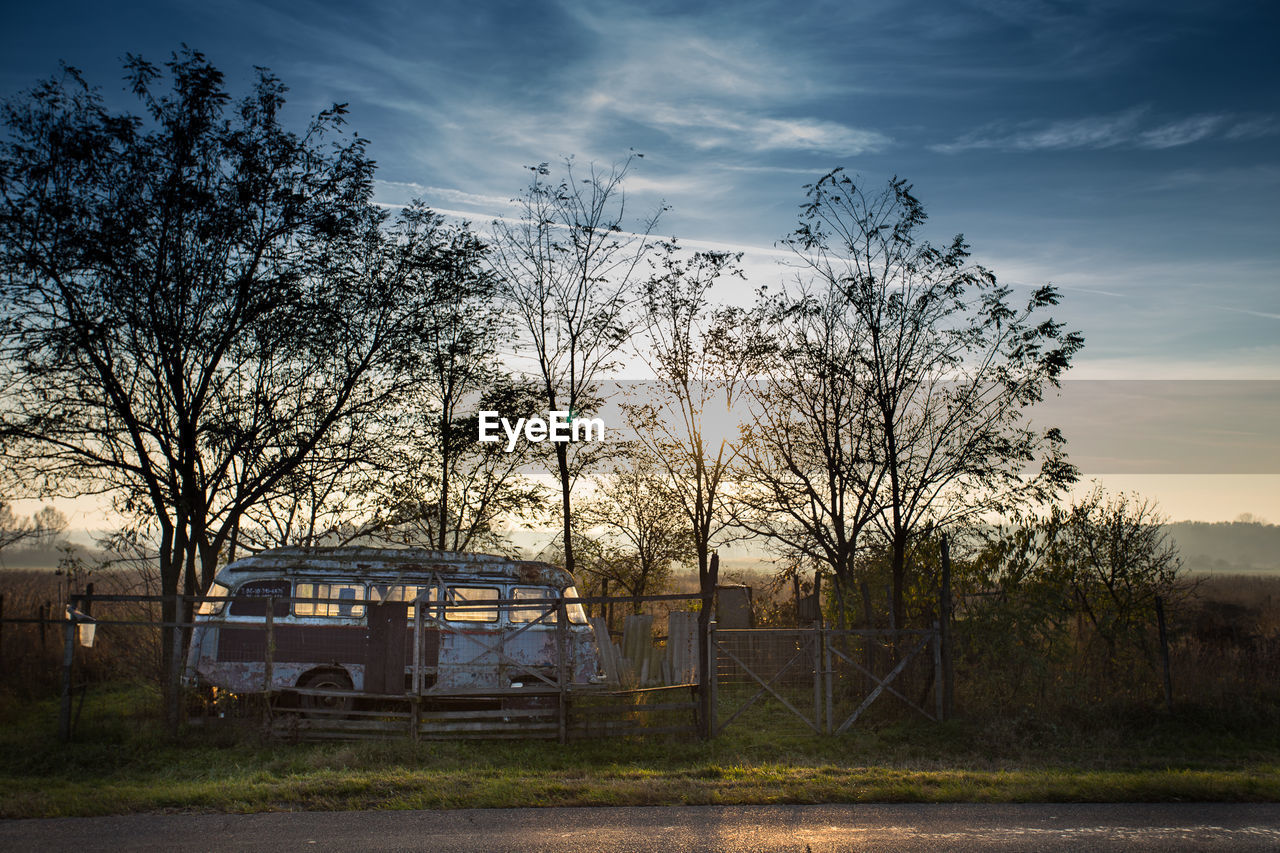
<point x="44" y="624"/>
<point x="817" y="676"/>
<point x="1164" y="654"/>
<point x="174" y="675"/>
<point x="268" y="668"/>
<point x="828" y="677"/>
<point x="713" y="681"/>
<point x="706" y="651"/>
<point x="938" y="678"/>
<point x="68" y="661"/>
<point x="416" y="716"/>
<point x="1" y="631"/>
<point x="947" y="662"/>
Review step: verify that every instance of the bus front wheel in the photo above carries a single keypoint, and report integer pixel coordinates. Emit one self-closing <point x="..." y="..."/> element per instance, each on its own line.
<point x="331" y="706"/>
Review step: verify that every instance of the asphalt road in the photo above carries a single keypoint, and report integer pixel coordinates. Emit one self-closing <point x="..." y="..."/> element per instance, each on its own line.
<point x="959" y="827"/>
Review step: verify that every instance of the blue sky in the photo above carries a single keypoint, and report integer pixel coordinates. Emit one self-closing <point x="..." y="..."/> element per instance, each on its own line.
<point x="1128" y="152"/>
<point x="1125" y="151"/>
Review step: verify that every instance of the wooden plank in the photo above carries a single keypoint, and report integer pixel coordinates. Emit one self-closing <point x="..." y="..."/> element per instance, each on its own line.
<point x="622" y="709"/>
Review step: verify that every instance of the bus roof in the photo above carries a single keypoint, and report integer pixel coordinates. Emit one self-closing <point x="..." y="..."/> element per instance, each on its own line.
<point x="367" y="562"/>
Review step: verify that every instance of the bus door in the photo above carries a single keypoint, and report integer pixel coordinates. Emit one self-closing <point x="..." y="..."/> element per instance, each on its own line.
<point x="384" y="647"/>
<point x="391" y="638"/>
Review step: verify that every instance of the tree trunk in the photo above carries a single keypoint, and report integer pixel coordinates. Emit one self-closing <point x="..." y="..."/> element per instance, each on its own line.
<point x="445" y="449"/>
<point x="899" y="579"/>
<point x="170" y="571"/>
<point x="708" y="576"/>
<point x="562" y="462"/>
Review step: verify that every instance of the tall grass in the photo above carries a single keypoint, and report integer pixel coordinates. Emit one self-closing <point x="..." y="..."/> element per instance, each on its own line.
<point x="122" y="762"/>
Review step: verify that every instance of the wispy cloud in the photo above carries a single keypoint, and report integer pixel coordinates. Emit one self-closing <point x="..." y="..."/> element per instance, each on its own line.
<point x="434" y="195"/>
<point x="1131" y="129"/>
<point x="1231" y="178"/>
<point x="724" y="91"/>
<point x="708" y="127"/>
<point x="1267" y="314"/>
<point x="1183" y="132"/>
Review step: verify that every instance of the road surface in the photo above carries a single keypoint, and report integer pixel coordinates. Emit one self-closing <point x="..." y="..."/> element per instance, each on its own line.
<point x="802" y="829"/>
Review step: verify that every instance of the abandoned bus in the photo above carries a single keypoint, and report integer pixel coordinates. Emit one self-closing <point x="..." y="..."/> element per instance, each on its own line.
<point x="346" y="619"/>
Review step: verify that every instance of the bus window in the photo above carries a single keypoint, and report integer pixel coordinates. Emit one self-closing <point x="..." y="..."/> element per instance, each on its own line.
<point x="461" y="594"/>
<point x="577" y="616"/>
<point x="251" y="598"/>
<point x="344" y="594"/>
<point x="214" y="608"/>
<point x="530" y="612"/>
<point x="383" y="592"/>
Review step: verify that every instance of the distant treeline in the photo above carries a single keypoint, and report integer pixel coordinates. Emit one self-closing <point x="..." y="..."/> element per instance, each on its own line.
<point x="1227" y="546"/>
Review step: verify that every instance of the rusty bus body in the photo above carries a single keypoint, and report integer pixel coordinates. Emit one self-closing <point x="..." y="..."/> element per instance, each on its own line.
<point x="345" y="619"/>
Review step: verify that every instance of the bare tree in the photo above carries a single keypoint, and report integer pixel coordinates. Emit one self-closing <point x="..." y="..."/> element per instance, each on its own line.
<point x="811" y="469"/>
<point x="569" y="269"/>
<point x="486" y="487"/>
<point x="642" y="520"/>
<point x="13" y="529"/>
<point x="319" y="500"/>
<point x="948" y="364"/>
<point x="700" y="367"/>
<point x="700" y="364"/>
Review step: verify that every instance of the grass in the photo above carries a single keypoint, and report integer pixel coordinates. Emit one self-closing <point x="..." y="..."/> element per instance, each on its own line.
<point x="121" y="763"/>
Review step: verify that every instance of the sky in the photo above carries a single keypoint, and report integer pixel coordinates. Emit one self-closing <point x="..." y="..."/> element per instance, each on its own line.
<point x="1127" y="152"/>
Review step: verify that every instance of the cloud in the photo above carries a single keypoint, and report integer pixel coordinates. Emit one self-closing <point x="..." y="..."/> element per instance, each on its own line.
<point x="1237" y="178"/>
<point x="1128" y="129"/>
<point x="1253" y="128"/>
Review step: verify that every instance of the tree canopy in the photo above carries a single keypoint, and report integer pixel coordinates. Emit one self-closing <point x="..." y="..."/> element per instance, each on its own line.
<point x="194" y="298"/>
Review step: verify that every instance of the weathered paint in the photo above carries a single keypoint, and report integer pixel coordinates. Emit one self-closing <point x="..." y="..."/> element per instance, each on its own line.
<point x="228" y="650"/>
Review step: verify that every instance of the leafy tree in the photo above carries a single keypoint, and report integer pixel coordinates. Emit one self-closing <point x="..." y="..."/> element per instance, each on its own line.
<point x="1077" y="579"/>
<point x="194" y="298"/>
<point x="701" y="368"/>
<point x="569" y="267"/>
<point x="457" y="361"/>
<point x="318" y="501"/>
<point x="947" y="363"/>
<point x="1116" y="558"/>
<point x="415" y="473"/>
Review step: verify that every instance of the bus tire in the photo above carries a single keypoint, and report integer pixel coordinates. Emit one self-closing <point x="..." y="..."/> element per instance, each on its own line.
<point x="326" y="707"/>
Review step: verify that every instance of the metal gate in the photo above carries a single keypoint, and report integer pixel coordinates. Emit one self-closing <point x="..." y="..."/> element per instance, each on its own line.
<point x="826" y="678"/>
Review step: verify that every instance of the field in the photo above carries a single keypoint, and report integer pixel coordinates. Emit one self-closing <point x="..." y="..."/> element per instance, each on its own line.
<point x="1221" y="743"/>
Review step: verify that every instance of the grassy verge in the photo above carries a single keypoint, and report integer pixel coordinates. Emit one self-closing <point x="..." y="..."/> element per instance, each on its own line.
<point x="120" y="763"/>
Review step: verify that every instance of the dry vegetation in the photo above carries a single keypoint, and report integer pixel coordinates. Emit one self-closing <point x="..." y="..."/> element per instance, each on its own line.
<point x="1224" y="646"/>
<point x="31" y="650"/>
